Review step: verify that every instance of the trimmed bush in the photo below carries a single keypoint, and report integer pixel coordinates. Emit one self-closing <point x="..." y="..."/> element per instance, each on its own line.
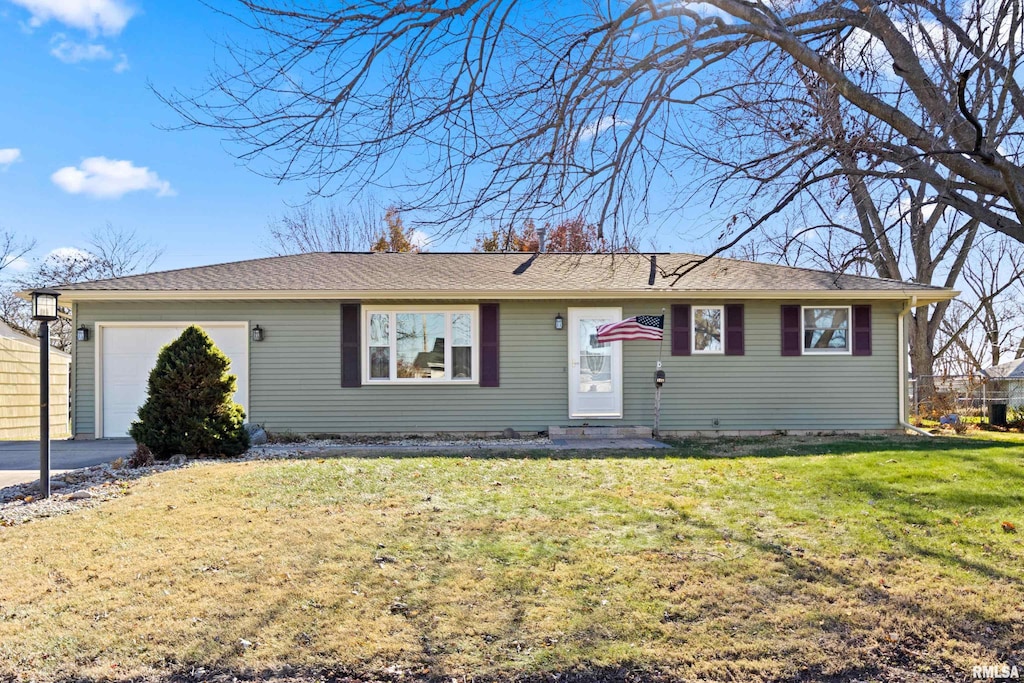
<point x="189" y="408"/>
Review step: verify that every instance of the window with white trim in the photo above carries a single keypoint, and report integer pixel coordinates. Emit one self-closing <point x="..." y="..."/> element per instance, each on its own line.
<point x="826" y="329"/>
<point x="707" y="324"/>
<point x="421" y="344"/>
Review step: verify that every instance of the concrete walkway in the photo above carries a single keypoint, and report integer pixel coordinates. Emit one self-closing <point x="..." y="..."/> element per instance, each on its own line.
<point x="596" y="444"/>
<point x="19" y="460"/>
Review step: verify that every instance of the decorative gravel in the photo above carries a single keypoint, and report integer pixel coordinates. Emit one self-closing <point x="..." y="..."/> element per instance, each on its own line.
<point x="420" y="443"/>
<point x="70" y="491"/>
<point x="91" y="486"/>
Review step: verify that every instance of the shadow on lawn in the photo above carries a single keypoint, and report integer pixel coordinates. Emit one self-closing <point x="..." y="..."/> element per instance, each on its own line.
<point x="596" y="674"/>
<point x="910" y="652"/>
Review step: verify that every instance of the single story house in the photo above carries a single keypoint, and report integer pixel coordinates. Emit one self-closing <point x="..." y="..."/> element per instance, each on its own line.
<point x="19" y="387"/>
<point x="1007" y="381"/>
<point x="478" y="342"/>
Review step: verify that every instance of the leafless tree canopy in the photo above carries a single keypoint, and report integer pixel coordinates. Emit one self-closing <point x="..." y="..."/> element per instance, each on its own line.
<point x="331" y="227"/>
<point x="12" y="248"/>
<point x="362" y="227"/>
<point x="503" y="107"/>
<point x="115" y="252"/>
<point x="110" y="252"/>
<point x="986" y="326"/>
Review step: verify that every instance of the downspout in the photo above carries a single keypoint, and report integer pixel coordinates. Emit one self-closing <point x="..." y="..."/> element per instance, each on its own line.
<point x="901" y="336"/>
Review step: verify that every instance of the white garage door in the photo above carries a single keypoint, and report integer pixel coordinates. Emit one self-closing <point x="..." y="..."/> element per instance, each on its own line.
<point x="128" y="353"/>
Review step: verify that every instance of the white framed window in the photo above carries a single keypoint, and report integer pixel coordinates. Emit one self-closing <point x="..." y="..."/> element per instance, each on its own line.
<point x="707" y="324"/>
<point x="421" y="344"/>
<point x="825" y="329"/>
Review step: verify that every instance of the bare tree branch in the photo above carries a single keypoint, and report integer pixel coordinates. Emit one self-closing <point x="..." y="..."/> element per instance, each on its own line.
<point x="505" y="108"/>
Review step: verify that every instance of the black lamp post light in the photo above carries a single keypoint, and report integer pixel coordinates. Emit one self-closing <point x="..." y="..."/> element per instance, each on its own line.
<point x="44" y="311"/>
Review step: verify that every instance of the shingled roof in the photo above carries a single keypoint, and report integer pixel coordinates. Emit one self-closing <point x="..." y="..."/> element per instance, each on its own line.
<point x="1013" y="369"/>
<point x="491" y="274"/>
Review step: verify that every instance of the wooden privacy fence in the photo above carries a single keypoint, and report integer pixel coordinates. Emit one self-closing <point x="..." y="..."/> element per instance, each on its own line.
<point x="19" y="390"/>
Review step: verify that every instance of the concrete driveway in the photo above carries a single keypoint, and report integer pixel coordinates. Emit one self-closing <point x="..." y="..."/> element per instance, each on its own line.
<point x="19" y="460"/>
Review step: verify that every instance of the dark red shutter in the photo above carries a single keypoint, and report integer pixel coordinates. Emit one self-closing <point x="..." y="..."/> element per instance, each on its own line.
<point x="862" y="330"/>
<point x="350" y="374"/>
<point x="792" y="345"/>
<point x="734" y="329"/>
<point x="489" y="345"/>
<point x="680" y="329"/>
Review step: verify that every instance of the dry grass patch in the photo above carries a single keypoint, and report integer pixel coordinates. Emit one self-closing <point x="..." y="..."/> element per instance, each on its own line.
<point x="885" y="559"/>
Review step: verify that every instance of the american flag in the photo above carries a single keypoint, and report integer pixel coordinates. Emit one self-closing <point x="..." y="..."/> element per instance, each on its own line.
<point x="637" y="327"/>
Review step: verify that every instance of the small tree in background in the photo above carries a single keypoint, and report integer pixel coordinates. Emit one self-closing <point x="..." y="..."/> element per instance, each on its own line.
<point x="395" y="236"/>
<point x="189" y="408"/>
<point x="571" y="235"/>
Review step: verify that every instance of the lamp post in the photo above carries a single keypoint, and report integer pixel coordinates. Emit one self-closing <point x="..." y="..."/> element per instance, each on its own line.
<point x="44" y="311"/>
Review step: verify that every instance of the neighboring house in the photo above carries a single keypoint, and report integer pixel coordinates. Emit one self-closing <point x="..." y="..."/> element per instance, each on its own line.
<point x="432" y="342"/>
<point x="1007" y="381"/>
<point x="19" y="387"/>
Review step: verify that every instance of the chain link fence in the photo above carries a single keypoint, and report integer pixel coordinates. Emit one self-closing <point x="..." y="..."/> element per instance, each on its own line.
<point x="968" y="398"/>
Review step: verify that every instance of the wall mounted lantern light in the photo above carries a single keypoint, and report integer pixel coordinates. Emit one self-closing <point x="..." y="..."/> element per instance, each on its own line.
<point x="257" y="334"/>
<point x="82" y="333"/>
<point x="559" y="322"/>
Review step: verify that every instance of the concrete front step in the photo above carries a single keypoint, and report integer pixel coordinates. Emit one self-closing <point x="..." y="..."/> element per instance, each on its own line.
<point x="623" y="432"/>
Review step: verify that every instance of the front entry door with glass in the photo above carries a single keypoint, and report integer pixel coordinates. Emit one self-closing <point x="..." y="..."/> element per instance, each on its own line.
<point x="595" y="370"/>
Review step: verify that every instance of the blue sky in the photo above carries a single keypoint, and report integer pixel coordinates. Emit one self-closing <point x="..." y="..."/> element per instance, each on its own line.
<point x="76" y="88"/>
<point x="81" y="142"/>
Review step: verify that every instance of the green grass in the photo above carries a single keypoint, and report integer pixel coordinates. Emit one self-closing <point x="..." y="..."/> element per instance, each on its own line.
<point x="752" y="559"/>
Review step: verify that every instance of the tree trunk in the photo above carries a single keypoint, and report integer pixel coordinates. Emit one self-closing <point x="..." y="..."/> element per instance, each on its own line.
<point x="922" y="359"/>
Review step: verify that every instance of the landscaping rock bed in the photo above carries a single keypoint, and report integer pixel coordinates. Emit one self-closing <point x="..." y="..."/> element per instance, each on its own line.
<point x="70" y="491"/>
<point x="355" y="443"/>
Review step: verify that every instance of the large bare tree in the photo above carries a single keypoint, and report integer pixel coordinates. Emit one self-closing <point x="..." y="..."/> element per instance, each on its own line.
<point x="499" y="106"/>
<point x="788" y="130"/>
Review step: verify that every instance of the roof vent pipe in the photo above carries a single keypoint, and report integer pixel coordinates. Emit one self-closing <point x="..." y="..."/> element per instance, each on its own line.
<point x="541" y="232"/>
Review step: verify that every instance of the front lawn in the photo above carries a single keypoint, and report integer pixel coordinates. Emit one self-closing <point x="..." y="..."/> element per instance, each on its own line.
<point x="739" y="559"/>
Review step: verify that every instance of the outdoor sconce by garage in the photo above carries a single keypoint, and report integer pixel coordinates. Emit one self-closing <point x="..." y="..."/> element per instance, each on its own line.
<point x="82" y="333"/>
<point x="257" y="334"/>
<point x="559" y="322"/>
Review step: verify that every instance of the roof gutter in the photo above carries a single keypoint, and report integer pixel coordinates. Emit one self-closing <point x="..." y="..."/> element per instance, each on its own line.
<point x="901" y="345"/>
<point x="922" y="297"/>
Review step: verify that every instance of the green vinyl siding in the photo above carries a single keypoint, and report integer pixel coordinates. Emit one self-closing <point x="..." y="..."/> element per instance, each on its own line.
<point x="295" y="375"/>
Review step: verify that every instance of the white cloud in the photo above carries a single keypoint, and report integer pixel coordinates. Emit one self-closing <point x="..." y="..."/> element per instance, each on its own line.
<point x="68" y="254"/>
<point x="70" y="52"/>
<point x="8" y="156"/>
<point x="420" y="239"/>
<point x="95" y="16"/>
<point x="602" y="124"/>
<point x="17" y="264"/>
<point x="109" y="179"/>
<point x="704" y="9"/>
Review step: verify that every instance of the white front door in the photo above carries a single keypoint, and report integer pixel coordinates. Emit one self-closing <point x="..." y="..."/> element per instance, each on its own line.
<point x="595" y="370"/>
